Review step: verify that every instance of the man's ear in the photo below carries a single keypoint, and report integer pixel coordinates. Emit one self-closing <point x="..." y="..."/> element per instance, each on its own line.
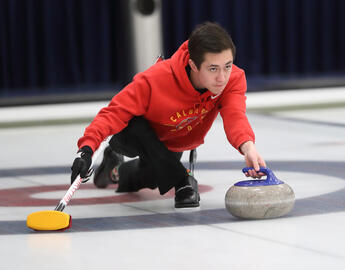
<point x="192" y="65"/>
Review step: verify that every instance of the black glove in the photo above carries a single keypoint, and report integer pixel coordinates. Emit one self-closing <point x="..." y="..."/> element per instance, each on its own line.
<point x="82" y="164"/>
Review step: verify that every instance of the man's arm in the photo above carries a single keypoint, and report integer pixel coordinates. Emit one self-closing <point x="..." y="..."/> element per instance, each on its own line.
<point x="131" y="101"/>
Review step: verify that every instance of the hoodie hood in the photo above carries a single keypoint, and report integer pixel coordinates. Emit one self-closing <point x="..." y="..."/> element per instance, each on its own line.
<point x="179" y="62"/>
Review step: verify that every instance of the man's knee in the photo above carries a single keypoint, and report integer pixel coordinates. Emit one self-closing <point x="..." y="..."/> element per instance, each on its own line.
<point x="130" y="140"/>
<point x="122" y="146"/>
<point x="125" y="142"/>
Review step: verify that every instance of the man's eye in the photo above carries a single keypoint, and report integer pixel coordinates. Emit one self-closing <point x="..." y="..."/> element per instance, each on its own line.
<point x="213" y="69"/>
<point x="228" y="67"/>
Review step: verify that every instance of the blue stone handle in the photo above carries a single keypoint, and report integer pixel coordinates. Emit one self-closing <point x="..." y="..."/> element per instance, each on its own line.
<point x="271" y="178"/>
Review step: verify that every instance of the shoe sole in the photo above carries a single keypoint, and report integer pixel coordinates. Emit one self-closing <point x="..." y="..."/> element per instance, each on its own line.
<point x="187" y="209"/>
<point x="187" y="205"/>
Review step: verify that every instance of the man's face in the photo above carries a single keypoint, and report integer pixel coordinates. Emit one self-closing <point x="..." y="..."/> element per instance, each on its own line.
<point x="214" y="72"/>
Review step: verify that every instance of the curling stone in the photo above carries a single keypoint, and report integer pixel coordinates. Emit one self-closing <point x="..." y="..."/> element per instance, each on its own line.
<point x="260" y="199"/>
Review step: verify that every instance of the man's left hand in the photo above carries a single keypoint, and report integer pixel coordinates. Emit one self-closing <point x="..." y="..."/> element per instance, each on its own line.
<point x="253" y="159"/>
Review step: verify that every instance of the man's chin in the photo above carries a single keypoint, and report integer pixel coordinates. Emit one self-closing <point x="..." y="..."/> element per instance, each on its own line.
<point x="217" y="91"/>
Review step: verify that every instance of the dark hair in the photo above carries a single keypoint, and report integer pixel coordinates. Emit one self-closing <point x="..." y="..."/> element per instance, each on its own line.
<point x="208" y="38"/>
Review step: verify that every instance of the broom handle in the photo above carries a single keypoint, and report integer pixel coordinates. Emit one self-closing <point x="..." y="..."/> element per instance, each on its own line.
<point x="76" y="184"/>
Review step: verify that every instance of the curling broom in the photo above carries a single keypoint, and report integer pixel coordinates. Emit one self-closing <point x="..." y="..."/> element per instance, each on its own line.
<point x="57" y="220"/>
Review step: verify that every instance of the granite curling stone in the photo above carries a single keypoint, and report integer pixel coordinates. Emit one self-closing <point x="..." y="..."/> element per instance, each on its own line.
<point x="260" y="199"/>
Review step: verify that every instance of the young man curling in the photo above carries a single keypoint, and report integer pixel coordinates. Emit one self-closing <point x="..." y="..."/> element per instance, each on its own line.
<point x="168" y="109"/>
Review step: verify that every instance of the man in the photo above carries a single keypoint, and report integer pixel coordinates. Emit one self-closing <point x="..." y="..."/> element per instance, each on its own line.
<point x="166" y="110"/>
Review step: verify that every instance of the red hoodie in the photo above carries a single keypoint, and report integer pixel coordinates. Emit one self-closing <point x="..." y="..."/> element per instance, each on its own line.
<point x="180" y="115"/>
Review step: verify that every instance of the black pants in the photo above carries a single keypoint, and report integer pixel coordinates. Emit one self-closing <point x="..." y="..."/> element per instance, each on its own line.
<point x="156" y="166"/>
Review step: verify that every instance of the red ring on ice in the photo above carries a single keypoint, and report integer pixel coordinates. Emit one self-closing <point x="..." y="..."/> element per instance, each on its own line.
<point x="22" y="196"/>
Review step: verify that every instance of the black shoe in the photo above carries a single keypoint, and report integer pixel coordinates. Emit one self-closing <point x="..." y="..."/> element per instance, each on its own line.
<point x="107" y="172"/>
<point x="186" y="193"/>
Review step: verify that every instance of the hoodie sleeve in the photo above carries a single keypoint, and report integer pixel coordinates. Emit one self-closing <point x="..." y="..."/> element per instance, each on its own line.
<point x="132" y="101"/>
<point x="233" y="111"/>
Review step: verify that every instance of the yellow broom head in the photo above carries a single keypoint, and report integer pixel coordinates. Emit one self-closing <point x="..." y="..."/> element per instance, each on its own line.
<point x="49" y="221"/>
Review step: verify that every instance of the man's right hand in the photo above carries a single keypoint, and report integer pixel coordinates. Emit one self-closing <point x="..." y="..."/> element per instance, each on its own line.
<point x="82" y="163"/>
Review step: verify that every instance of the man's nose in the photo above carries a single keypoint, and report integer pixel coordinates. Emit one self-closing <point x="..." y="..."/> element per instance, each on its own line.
<point x="221" y="76"/>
